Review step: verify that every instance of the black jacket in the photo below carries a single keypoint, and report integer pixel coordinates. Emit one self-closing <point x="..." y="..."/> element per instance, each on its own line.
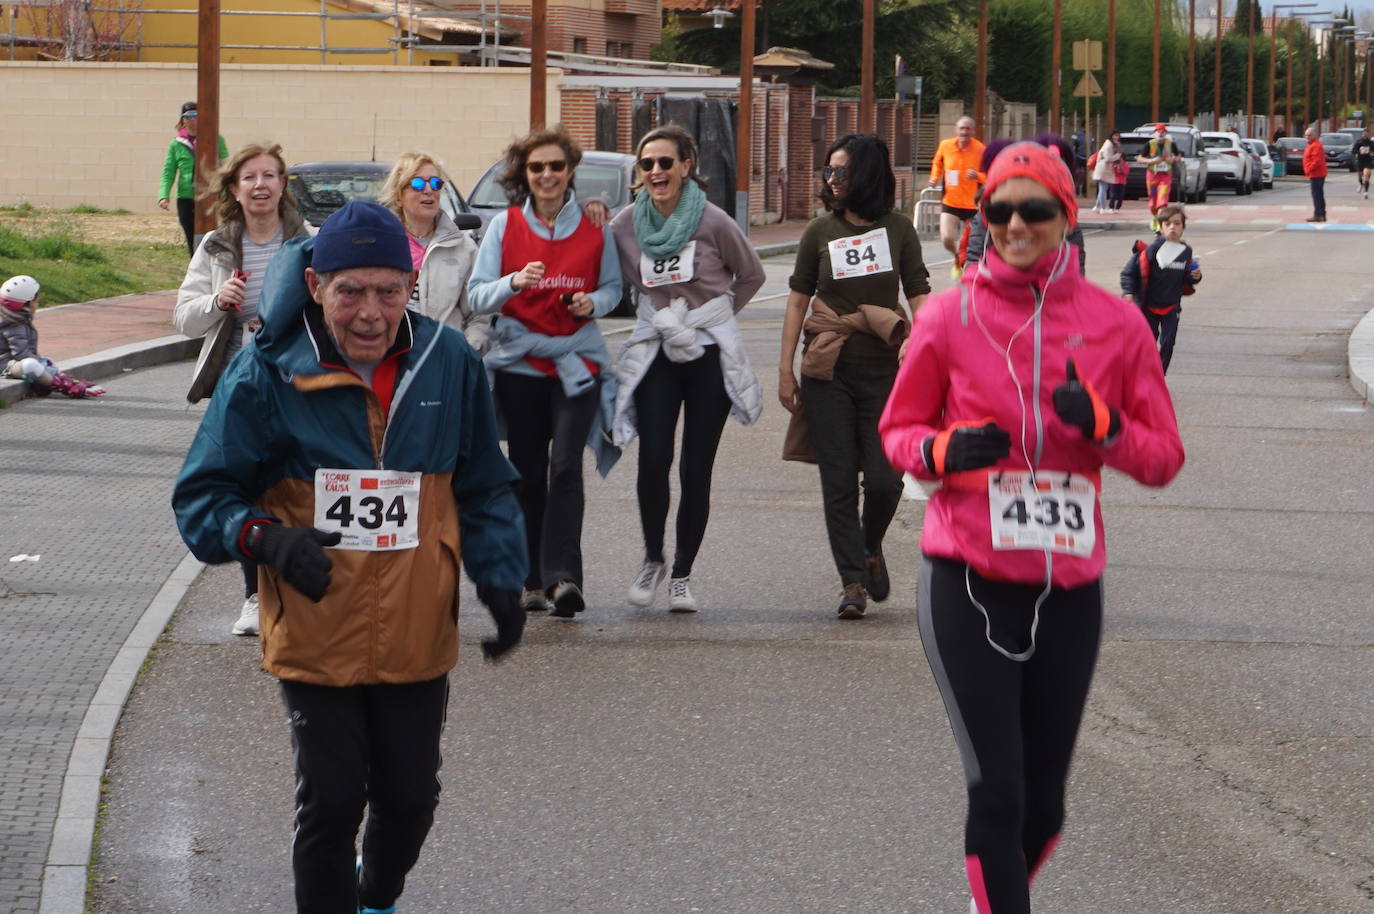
<point x="1153" y="286"/>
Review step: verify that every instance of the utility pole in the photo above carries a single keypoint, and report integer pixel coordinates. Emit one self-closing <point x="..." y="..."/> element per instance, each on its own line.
<point x="980" y="99"/>
<point x="1192" y="59"/>
<point x="867" y="122"/>
<point x="1154" y="70"/>
<point x="207" y="102"/>
<point x="1250" y="72"/>
<point x="1111" y="67"/>
<point x="1055" y="62"/>
<point x="1216" y="73"/>
<point x="539" y="53"/>
<point x="744" y="134"/>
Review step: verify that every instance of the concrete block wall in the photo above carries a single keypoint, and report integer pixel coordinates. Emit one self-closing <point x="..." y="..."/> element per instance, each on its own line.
<point x="96" y="134"/>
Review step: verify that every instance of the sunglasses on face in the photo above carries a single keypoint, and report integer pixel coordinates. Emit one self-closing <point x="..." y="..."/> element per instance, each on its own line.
<point x="419" y="183"/>
<point x="537" y="168"/>
<point x="1030" y="211"/>
<point x="664" y="163"/>
<point x="838" y="172"/>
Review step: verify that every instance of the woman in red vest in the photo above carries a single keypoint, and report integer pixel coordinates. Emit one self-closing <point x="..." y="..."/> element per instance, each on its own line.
<point x="546" y="272"/>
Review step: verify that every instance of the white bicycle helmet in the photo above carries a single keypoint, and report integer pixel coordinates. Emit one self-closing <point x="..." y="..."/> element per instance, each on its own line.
<point x="20" y="288"/>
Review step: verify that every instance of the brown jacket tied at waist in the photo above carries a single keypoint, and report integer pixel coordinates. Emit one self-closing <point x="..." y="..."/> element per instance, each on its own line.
<point x="828" y="331"/>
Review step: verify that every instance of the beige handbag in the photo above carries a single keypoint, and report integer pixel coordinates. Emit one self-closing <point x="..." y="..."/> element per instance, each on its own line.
<point x="212" y="359"/>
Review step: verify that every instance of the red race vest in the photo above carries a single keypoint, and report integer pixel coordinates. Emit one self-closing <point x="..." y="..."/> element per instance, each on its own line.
<point x="572" y="264"/>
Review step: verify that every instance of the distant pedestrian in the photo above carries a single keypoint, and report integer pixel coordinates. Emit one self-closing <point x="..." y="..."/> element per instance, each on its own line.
<point x="1314" y="167"/>
<point x="1158" y="275"/>
<point x="218" y="299"/>
<point x="1010" y="595"/>
<point x="855" y="267"/>
<point x="1158" y="159"/>
<point x="443" y="254"/>
<point x="955" y="167"/>
<point x="1104" y="173"/>
<point x="547" y="273"/>
<point x="352" y="451"/>
<point x="19" y="358"/>
<point x="694" y="270"/>
<point x="1363" y="151"/>
<point x="179" y="169"/>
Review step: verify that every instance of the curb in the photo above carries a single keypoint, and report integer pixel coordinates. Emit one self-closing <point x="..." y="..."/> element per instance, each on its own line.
<point x="1360" y="357"/>
<point x="69" y="854"/>
<point x="774" y="250"/>
<point x="112" y="362"/>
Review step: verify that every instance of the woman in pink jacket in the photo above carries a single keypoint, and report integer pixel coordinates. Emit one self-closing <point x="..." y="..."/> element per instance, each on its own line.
<point x="1017" y="386"/>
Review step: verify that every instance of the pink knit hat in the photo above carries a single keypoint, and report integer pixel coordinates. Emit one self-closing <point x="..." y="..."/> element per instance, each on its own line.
<point x="1044" y="166"/>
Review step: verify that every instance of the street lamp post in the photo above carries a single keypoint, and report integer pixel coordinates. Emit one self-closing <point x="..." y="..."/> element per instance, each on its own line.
<point x="1192" y="56"/>
<point x="1307" y="62"/>
<point x="1216" y="70"/>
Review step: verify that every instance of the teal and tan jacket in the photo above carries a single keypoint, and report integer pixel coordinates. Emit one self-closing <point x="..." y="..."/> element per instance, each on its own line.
<point x="286" y="406"/>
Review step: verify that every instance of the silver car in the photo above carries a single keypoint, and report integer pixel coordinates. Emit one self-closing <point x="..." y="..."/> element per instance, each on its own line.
<point x="1259" y="148"/>
<point x="1228" y="162"/>
<point x="1190" y="166"/>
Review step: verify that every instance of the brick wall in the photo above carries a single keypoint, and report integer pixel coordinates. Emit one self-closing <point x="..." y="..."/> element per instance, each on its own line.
<point x="127" y="114"/>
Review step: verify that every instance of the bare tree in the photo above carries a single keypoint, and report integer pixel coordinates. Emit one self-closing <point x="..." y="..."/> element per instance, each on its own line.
<point x="81" y="30"/>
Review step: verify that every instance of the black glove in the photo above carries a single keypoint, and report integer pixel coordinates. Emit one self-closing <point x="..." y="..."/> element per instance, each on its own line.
<point x="296" y="554"/>
<point x="504" y="606"/>
<point x="1080" y="406"/>
<point x="966" y="447"/>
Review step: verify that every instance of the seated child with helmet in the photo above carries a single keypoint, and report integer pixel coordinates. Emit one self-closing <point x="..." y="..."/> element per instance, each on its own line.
<point x="19" y="356"/>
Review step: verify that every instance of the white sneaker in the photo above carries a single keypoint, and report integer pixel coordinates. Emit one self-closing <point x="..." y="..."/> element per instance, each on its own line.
<point x="680" y="599"/>
<point x="248" y="618"/>
<point x="646" y="583"/>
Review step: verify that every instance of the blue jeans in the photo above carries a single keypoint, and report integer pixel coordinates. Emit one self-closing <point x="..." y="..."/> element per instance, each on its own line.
<point x="1101" y="195"/>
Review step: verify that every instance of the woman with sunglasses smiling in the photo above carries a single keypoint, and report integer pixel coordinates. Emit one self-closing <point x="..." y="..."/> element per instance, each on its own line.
<point x="694" y="270"/>
<point x="443" y="255"/>
<point x="854" y="267"/>
<point x="546" y="272"/>
<point x="1018" y="386"/>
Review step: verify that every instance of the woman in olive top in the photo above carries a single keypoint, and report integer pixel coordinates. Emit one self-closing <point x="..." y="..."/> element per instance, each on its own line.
<point x="850" y="264"/>
<point x="179" y="168"/>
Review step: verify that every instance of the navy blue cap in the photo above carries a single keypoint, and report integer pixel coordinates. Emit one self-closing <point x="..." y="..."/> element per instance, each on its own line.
<point x="361" y="234"/>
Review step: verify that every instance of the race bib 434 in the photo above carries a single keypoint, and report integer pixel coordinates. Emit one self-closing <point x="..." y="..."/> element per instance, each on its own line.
<point x="373" y="510"/>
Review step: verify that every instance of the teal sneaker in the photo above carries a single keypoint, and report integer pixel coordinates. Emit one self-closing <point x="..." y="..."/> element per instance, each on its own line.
<point x="390" y="910"/>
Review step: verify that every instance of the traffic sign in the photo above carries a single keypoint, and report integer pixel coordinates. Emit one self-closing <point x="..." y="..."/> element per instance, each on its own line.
<point x="1087" y="55"/>
<point x="1087" y="87"/>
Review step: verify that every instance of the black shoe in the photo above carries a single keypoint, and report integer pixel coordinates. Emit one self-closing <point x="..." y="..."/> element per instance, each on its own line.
<point x="879" y="585"/>
<point x="567" y="600"/>
<point x="853" y="602"/>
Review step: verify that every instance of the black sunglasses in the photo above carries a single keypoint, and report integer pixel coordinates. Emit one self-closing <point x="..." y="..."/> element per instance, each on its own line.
<point x="1030" y="211"/>
<point x="839" y="173"/>
<point x="434" y="183"/>
<point x="537" y="168"/>
<point x="665" y="163"/>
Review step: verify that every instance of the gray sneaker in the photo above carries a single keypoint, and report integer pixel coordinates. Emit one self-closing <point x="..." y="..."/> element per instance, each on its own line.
<point x="534" y="601"/>
<point x="646" y="584"/>
<point x="680" y="599"/>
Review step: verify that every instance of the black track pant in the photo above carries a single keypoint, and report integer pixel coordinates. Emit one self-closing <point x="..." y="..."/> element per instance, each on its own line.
<point x="1015" y="722"/>
<point x="545" y="434"/>
<point x="371" y="745"/>
<point x="696" y="389"/>
<point x="186" y="215"/>
<point x="250" y="578"/>
<point x="843" y="417"/>
<point x="1165" y="329"/>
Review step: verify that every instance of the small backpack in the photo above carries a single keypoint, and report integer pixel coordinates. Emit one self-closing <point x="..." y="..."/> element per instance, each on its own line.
<point x="1141" y="251"/>
<point x="1092" y="161"/>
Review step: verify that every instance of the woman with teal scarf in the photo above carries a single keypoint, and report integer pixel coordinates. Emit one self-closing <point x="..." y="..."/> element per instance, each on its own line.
<point x="693" y="270"/>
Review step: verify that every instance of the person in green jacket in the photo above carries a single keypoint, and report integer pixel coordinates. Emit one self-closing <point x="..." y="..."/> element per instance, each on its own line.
<point x="180" y="166"/>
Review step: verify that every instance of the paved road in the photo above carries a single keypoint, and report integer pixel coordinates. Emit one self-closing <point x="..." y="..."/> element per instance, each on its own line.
<point x="761" y="757"/>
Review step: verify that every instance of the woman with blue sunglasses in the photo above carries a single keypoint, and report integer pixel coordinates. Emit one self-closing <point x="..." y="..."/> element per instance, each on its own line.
<point x="443" y="255"/>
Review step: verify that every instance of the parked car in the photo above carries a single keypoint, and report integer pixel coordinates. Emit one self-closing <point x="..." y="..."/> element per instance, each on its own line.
<point x="1291" y="148"/>
<point x="1190" y="170"/>
<point x="1190" y="167"/>
<point x="600" y="175"/>
<point x="1338" y="150"/>
<point x="1228" y="162"/>
<point x="1263" y="164"/>
<point x="322" y="187"/>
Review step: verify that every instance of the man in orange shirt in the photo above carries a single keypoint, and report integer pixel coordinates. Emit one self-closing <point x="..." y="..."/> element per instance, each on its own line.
<point x="956" y="164"/>
<point x="1314" y="166"/>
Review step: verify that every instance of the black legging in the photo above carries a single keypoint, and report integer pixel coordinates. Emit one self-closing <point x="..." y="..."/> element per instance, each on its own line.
<point x="250" y="578"/>
<point x="1015" y="722"/>
<point x="545" y="434"/>
<point x="186" y="215"/>
<point x="696" y="388"/>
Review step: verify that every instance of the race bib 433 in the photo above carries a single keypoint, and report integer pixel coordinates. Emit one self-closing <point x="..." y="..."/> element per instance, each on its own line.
<point x="1053" y="510"/>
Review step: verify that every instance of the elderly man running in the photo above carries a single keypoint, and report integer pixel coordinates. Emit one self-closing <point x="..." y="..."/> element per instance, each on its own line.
<point x="956" y="166"/>
<point x="355" y="426"/>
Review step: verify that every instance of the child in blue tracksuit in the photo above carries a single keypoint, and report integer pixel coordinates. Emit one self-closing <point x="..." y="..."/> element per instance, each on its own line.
<point x="1158" y="276"/>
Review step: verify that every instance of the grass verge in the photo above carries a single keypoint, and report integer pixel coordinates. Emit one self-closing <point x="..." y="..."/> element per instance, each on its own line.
<point x="71" y="269"/>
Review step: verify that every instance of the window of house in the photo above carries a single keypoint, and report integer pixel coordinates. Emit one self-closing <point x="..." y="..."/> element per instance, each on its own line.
<point x="579" y="45"/>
